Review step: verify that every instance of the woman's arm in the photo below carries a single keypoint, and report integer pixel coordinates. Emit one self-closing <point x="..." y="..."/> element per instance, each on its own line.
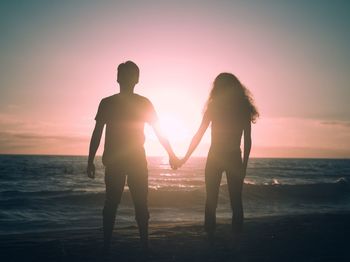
<point x="247" y="145"/>
<point x="197" y="137"/>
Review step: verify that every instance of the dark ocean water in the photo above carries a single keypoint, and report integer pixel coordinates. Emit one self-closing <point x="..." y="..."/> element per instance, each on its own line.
<point x="40" y="193"/>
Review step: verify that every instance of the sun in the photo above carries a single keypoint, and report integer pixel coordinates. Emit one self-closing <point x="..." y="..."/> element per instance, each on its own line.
<point x="174" y="129"/>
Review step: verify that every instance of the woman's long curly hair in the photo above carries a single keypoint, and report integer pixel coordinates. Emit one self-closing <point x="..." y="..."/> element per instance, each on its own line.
<point x="227" y="87"/>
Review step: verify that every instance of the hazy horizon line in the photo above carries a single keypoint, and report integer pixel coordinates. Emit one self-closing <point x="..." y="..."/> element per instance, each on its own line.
<point x="196" y="156"/>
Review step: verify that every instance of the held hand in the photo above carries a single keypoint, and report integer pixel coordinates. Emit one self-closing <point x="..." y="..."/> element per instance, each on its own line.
<point x="174" y="162"/>
<point x="177" y="163"/>
<point x="90" y="171"/>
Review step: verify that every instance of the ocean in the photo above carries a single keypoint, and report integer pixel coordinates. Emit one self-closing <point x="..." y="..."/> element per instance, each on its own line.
<point x="47" y="193"/>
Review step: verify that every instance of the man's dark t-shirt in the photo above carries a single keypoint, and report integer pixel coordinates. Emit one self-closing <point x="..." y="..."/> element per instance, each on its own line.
<point x="125" y="117"/>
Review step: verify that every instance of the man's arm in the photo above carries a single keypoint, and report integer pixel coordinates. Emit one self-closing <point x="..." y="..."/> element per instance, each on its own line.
<point x="165" y="143"/>
<point x="197" y="137"/>
<point x="94" y="143"/>
<point x="247" y="146"/>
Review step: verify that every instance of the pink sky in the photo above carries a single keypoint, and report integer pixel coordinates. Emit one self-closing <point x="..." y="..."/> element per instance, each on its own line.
<point x="59" y="63"/>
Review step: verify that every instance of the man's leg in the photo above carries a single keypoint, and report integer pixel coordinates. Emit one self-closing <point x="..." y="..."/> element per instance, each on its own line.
<point x="115" y="183"/>
<point x="138" y="185"/>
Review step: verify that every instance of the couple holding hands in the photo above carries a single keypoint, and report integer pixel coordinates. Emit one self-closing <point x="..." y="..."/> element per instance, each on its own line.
<point x="230" y="111"/>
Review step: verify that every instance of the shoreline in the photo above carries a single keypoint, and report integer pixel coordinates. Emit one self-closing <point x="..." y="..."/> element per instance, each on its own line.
<point x="309" y="237"/>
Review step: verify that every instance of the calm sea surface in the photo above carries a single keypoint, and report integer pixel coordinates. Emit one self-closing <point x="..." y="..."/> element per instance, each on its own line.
<point x="40" y="193"/>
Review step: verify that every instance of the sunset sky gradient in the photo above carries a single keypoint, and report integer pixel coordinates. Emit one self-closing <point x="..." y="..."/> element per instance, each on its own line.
<point x="59" y="59"/>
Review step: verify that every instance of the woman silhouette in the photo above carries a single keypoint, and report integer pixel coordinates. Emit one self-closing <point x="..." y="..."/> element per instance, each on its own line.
<point x="230" y="110"/>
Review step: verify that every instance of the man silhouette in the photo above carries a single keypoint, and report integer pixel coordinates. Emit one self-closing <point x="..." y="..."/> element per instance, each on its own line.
<point x="124" y="115"/>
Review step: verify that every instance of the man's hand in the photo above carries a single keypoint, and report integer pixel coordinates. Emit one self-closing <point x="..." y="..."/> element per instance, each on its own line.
<point x="174" y="162"/>
<point x="91" y="170"/>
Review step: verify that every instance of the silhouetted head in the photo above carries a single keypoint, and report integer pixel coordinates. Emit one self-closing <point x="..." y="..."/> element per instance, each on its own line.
<point x="226" y="84"/>
<point x="228" y="91"/>
<point x="128" y="74"/>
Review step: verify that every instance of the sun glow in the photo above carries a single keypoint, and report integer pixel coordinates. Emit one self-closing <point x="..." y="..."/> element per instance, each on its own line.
<point x="173" y="128"/>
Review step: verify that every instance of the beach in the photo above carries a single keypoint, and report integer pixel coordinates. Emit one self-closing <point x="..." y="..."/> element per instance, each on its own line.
<point x="295" y="210"/>
<point x="312" y="237"/>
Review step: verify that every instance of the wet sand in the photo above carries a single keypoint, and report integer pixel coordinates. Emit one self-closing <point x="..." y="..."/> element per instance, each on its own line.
<point x="313" y="237"/>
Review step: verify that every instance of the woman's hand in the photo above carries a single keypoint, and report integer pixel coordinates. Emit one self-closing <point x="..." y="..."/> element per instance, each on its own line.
<point x="174" y="162"/>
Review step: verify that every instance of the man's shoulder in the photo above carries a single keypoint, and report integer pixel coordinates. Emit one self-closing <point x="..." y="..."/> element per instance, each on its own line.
<point x="108" y="99"/>
<point x="142" y="99"/>
<point x="139" y="99"/>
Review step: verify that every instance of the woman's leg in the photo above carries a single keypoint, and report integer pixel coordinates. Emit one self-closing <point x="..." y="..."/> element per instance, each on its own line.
<point x="235" y="185"/>
<point x="235" y="179"/>
<point x="212" y="181"/>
